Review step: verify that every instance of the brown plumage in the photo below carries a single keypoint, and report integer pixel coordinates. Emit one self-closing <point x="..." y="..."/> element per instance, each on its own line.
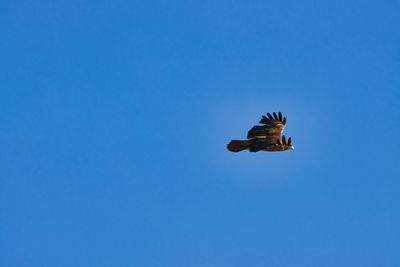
<point x="238" y="145"/>
<point x="266" y="137"/>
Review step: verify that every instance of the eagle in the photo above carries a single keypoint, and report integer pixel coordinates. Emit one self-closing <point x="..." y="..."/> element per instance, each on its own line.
<point x="266" y="137"/>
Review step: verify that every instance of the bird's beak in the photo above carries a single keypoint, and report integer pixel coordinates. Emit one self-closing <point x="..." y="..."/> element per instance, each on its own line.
<point x="292" y="148"/>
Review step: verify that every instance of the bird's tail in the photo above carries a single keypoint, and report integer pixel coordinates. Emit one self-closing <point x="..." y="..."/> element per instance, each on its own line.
<point x="238" y="145"/>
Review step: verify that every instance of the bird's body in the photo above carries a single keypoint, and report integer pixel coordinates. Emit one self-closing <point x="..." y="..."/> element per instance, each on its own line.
<point x="265" y="137"/>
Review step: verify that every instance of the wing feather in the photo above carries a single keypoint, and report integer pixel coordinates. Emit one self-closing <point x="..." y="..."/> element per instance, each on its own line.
<point x="272" y="129"/>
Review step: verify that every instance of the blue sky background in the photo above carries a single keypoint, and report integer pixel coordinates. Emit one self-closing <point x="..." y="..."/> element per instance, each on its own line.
<point x="115" y="116"/>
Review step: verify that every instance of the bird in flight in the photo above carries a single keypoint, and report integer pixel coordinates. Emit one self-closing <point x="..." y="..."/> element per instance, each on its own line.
<point x="265" y="137"/>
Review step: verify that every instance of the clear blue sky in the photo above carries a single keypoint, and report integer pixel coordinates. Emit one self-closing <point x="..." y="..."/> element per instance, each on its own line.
<point x="115" y="117"/>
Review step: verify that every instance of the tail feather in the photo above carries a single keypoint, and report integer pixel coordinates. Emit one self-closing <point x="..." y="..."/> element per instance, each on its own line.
<point x="238" y="145"/>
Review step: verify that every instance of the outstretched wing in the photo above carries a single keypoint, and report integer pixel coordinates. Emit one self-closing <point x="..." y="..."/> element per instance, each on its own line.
<point x="272" y="129"/>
